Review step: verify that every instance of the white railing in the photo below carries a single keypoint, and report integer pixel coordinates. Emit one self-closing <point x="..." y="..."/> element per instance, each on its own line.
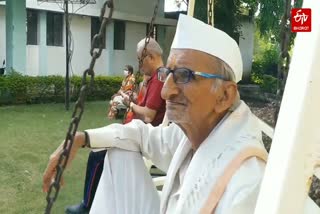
<point x="296" y="140"/>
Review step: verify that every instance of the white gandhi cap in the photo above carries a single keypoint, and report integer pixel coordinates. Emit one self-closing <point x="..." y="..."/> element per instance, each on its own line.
<point x="193" y="34"/>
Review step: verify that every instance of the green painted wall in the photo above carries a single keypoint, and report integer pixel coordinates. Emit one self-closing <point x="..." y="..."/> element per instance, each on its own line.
<point x="16" y="37"/>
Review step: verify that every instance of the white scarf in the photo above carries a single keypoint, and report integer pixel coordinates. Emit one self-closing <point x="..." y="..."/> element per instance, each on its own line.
<point x="237" y="130"/>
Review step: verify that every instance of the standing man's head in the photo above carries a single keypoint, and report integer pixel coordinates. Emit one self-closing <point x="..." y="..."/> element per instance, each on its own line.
<point x="153" y="57"/>
<point x="201" y="77"/>
<point x="128" y="70"/>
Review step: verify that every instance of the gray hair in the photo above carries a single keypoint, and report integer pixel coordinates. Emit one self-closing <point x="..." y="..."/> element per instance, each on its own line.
<point x="153" y="47"/>
<point x="226" y="71"/>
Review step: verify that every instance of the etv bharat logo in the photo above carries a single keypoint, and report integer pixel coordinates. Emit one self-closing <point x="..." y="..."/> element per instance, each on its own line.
<point x="301" y="20"/>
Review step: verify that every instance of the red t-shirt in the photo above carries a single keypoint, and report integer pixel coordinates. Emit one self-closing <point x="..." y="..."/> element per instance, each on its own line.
<point x="152" y="99"/>
<point x="130" y="114"/>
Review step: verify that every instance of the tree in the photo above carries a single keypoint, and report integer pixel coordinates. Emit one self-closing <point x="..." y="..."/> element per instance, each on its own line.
<point x="269" y="18"/>
<point x="227" y="14"/>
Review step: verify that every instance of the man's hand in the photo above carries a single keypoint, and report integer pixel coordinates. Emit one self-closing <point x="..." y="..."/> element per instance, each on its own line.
<point x="50" y="172"/>
<point x="126" y="101"/>
<point x="124" y="95"/>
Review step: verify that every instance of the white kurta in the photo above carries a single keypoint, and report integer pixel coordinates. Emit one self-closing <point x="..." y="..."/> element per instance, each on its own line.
<point x="190" y="178"/>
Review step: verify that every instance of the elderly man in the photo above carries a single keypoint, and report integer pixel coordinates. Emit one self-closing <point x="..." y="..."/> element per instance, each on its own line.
<point x="150" y="109"/>
<point x="212" y="152"/>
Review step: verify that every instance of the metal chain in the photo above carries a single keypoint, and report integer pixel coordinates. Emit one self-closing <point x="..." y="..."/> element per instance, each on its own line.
<point x="284" y="57"/>
<point x="210" y="12"/>
<point x="144" y="51"/>
<point x="79" y="107"/>
<point x="150" y="31"/>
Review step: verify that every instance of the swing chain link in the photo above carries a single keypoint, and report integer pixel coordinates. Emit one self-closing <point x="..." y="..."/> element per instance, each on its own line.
<point x="150" y="32"/>
<point x="79" y="106"/>
<point x="210" y="12"/>
<point x="284" y="58"/>
<point x="144" y="51"/>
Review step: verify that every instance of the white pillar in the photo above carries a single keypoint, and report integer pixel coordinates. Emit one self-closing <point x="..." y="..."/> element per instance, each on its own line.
<point x="110" y="48"/>
<point x="43" y="52"/>
<point x="296" y="140"/>
<point x="16" y="36"/>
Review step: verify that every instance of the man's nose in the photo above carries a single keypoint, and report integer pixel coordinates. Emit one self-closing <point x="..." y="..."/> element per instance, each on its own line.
<point x="169" y="88"/>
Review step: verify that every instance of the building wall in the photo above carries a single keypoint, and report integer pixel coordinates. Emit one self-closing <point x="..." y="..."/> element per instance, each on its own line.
<point x="32" y="62"/>
<point x="165" y="38"/>
<point x="134" y="33"/>
<point x="246" y="44"/>
<point x="81" y="34"/>
<point x="123" y="9"/>
<point x="111" y="62"/>
<point x="48" y="60"/>
<point x="146" y="7"/>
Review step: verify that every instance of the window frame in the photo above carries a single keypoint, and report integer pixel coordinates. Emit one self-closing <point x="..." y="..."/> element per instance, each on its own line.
<point x="119" y="31"/>
<point x="95" y="27"/>
<point x="32" y="24"/>
<point x="55" y="35"/>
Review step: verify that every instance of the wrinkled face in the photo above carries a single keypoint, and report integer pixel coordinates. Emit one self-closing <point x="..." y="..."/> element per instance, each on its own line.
<point x="193" y="102"/>
<point x="146" y="63"/>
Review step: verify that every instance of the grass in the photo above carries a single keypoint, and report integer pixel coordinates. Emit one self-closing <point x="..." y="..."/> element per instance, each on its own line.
<point x="28" y="135"/>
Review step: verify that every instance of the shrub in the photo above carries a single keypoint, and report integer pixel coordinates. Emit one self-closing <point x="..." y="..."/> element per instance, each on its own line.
<point x="17" y="89"/>
<point x="269" y="84"/>
<point x="266" y="57"/>
<point x="266" y="63"/>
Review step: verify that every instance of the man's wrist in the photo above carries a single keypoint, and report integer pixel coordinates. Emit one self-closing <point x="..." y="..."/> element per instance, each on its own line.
<point x="86" y="140"/>
<point x="131" y="104"/>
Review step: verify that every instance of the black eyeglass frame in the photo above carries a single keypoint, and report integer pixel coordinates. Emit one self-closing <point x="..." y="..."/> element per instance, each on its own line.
<point x="191" y="74"/>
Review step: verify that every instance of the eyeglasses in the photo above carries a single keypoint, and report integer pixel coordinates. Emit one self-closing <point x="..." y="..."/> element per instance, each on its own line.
<point x="184" y="75"/>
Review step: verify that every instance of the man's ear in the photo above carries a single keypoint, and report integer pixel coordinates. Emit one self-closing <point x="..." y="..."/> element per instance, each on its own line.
<point x="226" y="96"/>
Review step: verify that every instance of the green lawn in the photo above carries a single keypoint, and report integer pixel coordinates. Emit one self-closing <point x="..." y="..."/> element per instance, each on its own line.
<point x="28" y="135"/>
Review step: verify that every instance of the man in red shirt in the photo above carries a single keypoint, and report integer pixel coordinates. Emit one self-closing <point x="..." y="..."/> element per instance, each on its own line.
<point x="150" y="110"/>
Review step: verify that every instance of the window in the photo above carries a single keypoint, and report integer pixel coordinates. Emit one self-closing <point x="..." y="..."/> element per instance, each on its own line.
<point x="119" y="35"/>
<point x="154" y="33"/>
<point x="54" y="29"/>
<point x="95" y="27"/>
<point x="32" y="27"/>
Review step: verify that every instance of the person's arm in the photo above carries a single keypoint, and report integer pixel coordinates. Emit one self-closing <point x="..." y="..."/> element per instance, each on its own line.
<point x="155" y="143"/>
<point x="124" y="95"/>
<point x="154" y="102"/>
<point x="50" y="172"/>
<point x="145" y="114"/>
